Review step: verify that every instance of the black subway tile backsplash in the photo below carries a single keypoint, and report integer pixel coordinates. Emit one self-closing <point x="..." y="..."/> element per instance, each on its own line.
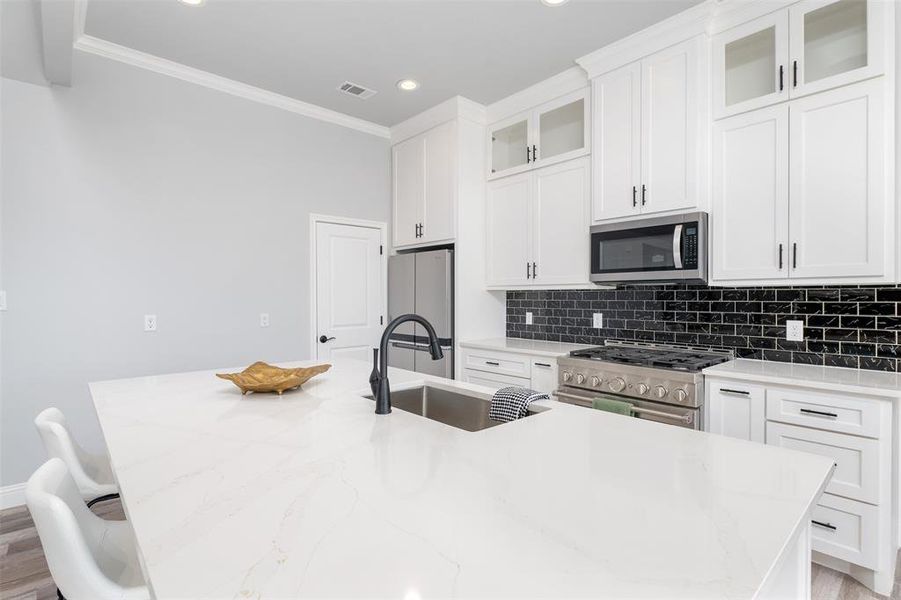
<point x="845" y="326"/>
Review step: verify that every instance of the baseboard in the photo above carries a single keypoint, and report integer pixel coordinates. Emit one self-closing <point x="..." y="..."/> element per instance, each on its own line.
<point x="12" y="495"/>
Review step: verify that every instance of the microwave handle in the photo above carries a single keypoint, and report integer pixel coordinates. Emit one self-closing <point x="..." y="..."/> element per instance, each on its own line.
<point x="677" y="246"/>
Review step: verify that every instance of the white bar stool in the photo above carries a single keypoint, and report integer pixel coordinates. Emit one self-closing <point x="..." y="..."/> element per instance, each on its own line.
<point x="92" y="473"/>
<point x="89" y="558"/>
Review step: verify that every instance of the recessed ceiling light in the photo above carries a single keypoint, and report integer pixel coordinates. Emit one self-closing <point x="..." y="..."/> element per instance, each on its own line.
<point x="192" y="2"/>
<point x="407" y="85"/>
<point x="554" y="2"/>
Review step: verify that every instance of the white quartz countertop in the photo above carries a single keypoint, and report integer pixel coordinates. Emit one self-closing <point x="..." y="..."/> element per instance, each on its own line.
<point x="835" y="379"/>
<point x="313" y="495"/>
<point x="523" y="346"/>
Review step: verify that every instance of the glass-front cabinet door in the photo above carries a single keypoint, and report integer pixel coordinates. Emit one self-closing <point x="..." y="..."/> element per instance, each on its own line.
<point x="751" y="65"/>
<point x="561" y="129"/>
<point x="835" y="42"/>
<point x="510" y="146"/>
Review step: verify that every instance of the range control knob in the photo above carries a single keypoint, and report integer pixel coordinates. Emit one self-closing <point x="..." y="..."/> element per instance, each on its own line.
<point x="567" y="376"/>
<point x="617" y="384"/>
<point x="580" y="379"/>
<point x="595" y="381"/>
<point x="680" y="395"/>
<point x="660" y="391"/>
<point x="642" y="388"/>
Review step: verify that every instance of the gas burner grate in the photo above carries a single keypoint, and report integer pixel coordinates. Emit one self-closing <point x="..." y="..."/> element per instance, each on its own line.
<point x="677" y="359"/>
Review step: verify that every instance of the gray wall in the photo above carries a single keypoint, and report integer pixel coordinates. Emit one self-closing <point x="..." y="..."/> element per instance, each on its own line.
<point x="134" y="193"/>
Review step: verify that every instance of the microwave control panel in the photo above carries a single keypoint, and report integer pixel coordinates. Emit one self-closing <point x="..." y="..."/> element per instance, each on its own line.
<point x="690" y="247"/>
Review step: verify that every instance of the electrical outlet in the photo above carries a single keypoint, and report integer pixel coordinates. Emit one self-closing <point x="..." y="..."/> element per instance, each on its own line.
<point x="794" y="331"/>
<point x="598" y="321"/>
<point x="264" y="319"/>
<point x="149" y="322"/>
<point x="528" y="318"/>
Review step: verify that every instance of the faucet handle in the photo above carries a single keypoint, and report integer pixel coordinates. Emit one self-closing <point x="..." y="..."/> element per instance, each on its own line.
<point x="375" y="375"/>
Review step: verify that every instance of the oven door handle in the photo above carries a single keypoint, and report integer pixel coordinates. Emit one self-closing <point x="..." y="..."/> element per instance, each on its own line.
<point x="677" y="246"/>
<point x="687" y="419"/>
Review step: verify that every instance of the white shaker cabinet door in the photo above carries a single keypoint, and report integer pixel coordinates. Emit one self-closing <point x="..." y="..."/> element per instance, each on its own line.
<point x="508" y="229"/>
<point x="438" y="220"/>
<point x="736" y="409"/>
<point x="560" y="236"/>
<point x="408" y="162"/>
<point x="670" y="129"/>
<point x="749" y="223"/>
<point x="616" y="143"/>
<point x="837" y="189"/>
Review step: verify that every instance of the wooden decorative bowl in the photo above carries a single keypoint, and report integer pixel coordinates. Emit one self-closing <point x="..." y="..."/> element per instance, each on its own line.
<point x="262" y="377"/>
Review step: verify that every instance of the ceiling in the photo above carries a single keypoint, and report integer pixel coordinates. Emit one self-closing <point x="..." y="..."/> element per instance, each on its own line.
<point x="484" y="50"/>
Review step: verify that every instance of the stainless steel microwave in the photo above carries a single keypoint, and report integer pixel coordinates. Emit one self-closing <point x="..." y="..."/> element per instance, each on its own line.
<point x="672" y="248"/>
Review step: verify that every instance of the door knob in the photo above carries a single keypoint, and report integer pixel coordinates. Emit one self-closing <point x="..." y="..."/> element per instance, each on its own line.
<point x="323" y="339"/>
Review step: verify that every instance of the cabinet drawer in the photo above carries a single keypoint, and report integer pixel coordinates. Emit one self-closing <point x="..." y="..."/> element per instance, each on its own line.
<point x="847" y="530"/>
<point x="498" y="362"/>
<point x="492" y="380"/>
<point x="858" y="416"/>
<point x="856" y="459"/>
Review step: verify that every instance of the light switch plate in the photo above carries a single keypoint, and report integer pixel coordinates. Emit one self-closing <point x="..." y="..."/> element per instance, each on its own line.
<point x="149" y="322"/>
<point x="264" y="319"/>
<point x="528" y="318"/>
<point x="598" y="321"/>
<point x="794" y="331"/>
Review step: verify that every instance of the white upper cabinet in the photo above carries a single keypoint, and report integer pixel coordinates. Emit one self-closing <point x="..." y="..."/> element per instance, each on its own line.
<point x="837" y="189"/>
<point x="537" y="227"/>
<point x="750" y="65"/>
<point x="647" y="124"/>
<point x="425" y="187"/>
<point x="799" y="191"/>
<point x="508" y="226"/>
<point x="669" y="129"/>
<point x="809" y="47"/>
<point x="748" y="221"/>
<point x="408" y="162"/>
<point x="616" y="147"/>
<point x="551" y="133"/>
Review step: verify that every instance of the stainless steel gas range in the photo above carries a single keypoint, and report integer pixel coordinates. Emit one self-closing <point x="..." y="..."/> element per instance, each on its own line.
<point x="663" y="383"/>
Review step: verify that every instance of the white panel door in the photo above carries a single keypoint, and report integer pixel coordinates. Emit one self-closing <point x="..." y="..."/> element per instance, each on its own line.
<point x="508" y="230"/>
<point x="736" y="410"/>
<point x="837" y="185"/>
<point x="560" y="236"/>
<point x="408" y="162"/>
<point x="616" y="143"/>
<point x="348" y="291"/>
<point x="835" y="42"/>
<point x="749" y="221"/>
<point x="438" y="222"/>
<point x="669" y="129"/>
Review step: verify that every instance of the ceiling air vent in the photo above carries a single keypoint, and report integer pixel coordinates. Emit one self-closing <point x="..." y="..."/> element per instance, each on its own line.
<point x="357" y="91"/>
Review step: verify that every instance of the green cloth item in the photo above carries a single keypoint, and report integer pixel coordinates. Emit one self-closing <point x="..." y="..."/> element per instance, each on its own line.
<point x="610" y="405"/>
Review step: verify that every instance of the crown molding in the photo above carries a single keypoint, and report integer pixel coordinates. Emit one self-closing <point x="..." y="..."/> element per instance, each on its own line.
<point x="678" y="28"/>
<point x="563" y="83"/>
<point x="136" y="58"/>
<point x="457" y="107"/>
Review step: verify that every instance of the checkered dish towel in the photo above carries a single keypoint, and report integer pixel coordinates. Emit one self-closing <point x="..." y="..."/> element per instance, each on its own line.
<point x="511" y="403"/>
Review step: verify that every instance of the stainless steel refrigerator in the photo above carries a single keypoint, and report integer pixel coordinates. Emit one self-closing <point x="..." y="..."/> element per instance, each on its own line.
<point x="422" y="283"/>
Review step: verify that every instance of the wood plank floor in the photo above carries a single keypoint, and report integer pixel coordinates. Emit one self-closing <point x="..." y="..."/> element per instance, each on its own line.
<point x="24" y="574"/>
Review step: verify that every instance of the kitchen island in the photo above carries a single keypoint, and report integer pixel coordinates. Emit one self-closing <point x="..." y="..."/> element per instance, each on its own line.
<point x="313" y="495"/>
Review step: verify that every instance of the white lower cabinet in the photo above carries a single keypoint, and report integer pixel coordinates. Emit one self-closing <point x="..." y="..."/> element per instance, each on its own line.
<point x="736" y="410"/>
<point x="852" y="521"/>
<point x="537" y="227"/>
<point x="497" y="369"/>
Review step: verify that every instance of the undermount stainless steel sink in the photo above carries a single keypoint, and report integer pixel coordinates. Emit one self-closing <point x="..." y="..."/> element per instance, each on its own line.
<point x="451" y="408"/>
